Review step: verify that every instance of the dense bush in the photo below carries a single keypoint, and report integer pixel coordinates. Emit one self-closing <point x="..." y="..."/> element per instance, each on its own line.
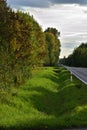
<point x="22" y="46"/>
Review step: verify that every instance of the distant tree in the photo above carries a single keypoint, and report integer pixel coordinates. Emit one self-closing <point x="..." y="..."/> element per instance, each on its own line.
<point x="79" y="56"/>
<point x="52" y="46"/>
<point x="53" y="31"/>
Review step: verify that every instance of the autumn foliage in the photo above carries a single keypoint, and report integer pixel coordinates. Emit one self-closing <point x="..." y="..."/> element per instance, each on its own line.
<point x="23" y="46"/>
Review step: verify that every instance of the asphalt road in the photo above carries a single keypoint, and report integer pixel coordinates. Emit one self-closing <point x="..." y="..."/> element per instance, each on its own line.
<point x="80" y="73"/>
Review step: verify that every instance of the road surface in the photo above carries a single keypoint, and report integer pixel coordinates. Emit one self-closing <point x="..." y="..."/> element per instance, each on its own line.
<point x="80" y="73"/>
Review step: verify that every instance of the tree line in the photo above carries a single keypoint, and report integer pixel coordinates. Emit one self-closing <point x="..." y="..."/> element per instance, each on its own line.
<point x="24" y="46"/>
<point x="78" y="58"/>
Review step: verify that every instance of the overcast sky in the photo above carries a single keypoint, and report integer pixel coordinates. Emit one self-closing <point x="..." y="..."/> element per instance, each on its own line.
<point x="68" y="16"/>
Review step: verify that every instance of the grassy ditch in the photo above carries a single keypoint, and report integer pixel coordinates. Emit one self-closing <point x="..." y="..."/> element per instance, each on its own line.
<point x="49" y="100"/>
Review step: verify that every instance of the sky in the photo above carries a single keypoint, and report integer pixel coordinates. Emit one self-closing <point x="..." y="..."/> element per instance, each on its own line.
<point x="69" y="17"/>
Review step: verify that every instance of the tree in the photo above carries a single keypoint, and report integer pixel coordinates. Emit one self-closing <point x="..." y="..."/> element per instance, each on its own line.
<point x="23" y="46"/>
<point x="52" y="46"/>
<point x="79" y="57"/>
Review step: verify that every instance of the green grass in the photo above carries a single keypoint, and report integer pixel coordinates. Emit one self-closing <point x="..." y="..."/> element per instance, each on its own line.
<point x="49" y="100"/>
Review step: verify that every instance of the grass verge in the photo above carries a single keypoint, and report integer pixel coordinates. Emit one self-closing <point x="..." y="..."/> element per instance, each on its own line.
<point x="49" y="100"/>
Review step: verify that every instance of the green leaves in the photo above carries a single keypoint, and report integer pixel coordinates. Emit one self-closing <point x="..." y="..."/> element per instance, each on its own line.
<point x="78" y="57"/>
<point x="52" y="46"/>
<point x="23" y="45"/>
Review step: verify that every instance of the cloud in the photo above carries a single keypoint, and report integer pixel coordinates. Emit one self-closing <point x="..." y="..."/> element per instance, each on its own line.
<point x="69" y="19"/>
<point x="69" y="1"/>
<point x="30" y="3"/>
<point x="44" y="3"/>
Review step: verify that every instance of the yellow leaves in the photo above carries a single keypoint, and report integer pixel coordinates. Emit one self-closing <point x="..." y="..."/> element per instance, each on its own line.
<point x="15" y="45"/>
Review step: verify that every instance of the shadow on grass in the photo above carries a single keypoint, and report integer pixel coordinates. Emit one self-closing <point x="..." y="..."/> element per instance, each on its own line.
<point x="64" y="108"/>
<point x="61" y="104"/>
